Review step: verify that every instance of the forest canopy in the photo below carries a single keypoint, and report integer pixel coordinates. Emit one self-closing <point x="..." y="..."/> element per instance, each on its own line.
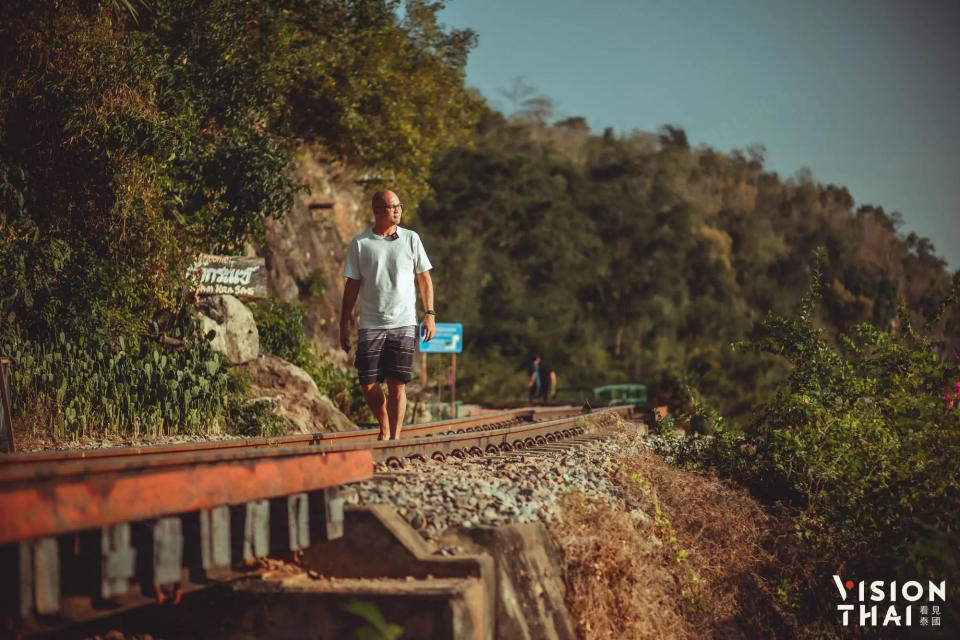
<point x="639" y="258"/>
<point x="136" y="134"/>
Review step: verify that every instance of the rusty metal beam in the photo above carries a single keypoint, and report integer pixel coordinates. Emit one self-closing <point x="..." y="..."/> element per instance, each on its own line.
<point x="46" y="503"/>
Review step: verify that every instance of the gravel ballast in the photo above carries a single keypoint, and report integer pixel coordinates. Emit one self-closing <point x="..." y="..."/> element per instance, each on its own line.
<point x="496" y="490"/>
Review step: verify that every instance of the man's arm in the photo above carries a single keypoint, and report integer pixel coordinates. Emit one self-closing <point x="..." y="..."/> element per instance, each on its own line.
<point x="351" y="289"/>
<point x="426" y="295"/>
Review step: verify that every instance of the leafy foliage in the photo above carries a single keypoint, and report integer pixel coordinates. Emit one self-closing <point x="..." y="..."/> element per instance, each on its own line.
<point x="280" y="327"/>
<point x="376" y="626"/>
<point x="638" y="258"/>
<point x="137" y="135"/>
<point x="858" y="443"/>
<point x="253" y="418"/>
<point x="91" y="386"/>
<point x="340" y="386"/>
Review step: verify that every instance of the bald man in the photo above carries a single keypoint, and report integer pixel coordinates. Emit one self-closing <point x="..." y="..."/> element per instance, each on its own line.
<point x="382" y="265"/>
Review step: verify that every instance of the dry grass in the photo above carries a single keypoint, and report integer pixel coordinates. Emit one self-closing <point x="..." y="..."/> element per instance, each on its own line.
<point x="34" y="428"/>
<point x="618" y="584"/>
<point x="684" y="556"/>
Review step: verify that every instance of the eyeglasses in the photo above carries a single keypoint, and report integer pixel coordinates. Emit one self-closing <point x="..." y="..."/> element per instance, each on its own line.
<point x="392" y="207"/>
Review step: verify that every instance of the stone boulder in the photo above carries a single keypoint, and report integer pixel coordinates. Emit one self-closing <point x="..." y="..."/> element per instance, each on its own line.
<point x="236" y="332"/>
<point x="300" y="401"/>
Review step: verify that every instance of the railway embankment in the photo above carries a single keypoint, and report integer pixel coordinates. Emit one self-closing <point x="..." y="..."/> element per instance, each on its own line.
<point x="586" y="535"/>
<point x="598" y="537"/>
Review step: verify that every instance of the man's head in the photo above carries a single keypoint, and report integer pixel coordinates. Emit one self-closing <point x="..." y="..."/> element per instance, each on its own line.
<point x="387" y="208"/>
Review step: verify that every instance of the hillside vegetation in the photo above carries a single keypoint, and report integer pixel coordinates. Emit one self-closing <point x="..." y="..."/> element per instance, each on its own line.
<point x="639" y="258"/>
<point x="813" y="341"/>
<point x="811" y="337"/>
<point x="139" y="134"/>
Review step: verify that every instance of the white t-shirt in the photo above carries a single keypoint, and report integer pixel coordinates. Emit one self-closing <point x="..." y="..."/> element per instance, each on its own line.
<point x="387" y="269"/>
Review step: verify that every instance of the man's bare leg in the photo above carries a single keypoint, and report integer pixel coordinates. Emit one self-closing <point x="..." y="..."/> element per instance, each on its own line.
<point x="373" y="394"/>
<point x="396" y="406"/>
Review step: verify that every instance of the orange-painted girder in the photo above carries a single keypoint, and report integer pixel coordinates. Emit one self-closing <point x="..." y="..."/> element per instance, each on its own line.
<point x="53" y="504"/>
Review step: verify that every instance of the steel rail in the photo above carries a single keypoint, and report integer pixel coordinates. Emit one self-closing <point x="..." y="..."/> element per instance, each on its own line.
<point x="503" y="418"/>
<point x="487" y="441"/>
<point x="41" y="469"/>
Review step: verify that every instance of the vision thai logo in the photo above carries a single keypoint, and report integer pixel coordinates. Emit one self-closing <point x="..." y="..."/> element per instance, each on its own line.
<point x="881" y="603"/>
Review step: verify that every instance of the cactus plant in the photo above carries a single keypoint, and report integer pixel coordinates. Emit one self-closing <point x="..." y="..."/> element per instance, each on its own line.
<point x="91" y="384"/>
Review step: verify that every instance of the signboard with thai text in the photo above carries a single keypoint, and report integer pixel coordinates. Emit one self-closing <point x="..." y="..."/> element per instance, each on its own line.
<point x="232" y="275"/>
<point x="448" y="339"/>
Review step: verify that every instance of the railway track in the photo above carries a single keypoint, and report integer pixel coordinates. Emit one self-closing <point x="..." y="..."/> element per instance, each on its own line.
<point x="458" y="425"/>
<point x="93" y="532"/>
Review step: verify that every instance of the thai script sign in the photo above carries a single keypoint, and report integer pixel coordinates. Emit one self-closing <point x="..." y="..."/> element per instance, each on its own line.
<point x="233" y="275"/>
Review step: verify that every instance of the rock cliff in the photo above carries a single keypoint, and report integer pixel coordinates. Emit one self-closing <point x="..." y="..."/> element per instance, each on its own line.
<point x="305" y="250"/>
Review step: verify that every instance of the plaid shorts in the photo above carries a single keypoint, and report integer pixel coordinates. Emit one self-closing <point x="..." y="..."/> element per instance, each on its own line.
<point x="386" y="353"/>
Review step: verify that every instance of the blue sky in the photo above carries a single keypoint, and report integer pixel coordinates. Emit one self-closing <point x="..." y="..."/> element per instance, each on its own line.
<point x="863" y="93"/>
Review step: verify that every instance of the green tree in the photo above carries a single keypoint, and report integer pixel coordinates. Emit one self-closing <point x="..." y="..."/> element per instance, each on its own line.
<point x="511" y="253"/>
<point x="680" y="253"/>
<point x="136" y="136"/>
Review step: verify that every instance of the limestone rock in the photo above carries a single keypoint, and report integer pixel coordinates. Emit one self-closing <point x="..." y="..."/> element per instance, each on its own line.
<point x="236" y="332"/>
<point x="300" y="400"/>
<point x="305" y="250"/>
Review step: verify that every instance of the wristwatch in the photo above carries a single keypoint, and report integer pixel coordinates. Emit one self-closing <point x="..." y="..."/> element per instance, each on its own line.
<point x="430" y="312"/>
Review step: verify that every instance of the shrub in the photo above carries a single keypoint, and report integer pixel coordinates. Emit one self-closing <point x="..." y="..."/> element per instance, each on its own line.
<point x="254" y="418"/>
<point x="280" y="326"/>
<point x="341" y="387"/>
<point x="93" y="386"/>
<point x="858" y="444"/>
<point x="134" y="140"/>
<point x="858" y="438"/>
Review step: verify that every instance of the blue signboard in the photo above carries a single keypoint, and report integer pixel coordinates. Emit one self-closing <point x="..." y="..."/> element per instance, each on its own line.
<point x="448" y="339"/>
